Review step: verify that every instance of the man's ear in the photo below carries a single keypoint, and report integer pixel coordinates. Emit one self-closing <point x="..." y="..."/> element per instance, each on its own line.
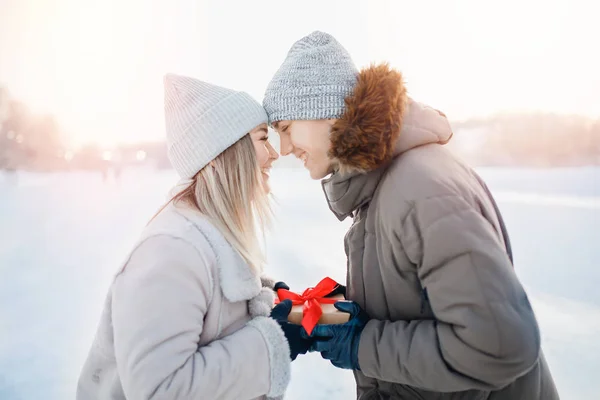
<point x="331" y="122"/>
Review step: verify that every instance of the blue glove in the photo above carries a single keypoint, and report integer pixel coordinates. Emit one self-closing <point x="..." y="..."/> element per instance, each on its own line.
<point x="280" y="285"/>
<point x="339" y="343"/>
<point x="340" y="289"/>
<point x="299" y="343"/>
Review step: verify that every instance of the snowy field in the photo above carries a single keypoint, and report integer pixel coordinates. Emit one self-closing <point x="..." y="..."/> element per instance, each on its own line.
<point x="62" y="236"/>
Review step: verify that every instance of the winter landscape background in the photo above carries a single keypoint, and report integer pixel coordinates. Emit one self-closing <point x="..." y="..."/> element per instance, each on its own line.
<point x="83" y="161"/>
<point x="63" y="235"/>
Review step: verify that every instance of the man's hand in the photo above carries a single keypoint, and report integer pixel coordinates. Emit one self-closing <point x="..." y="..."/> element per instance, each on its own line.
<point x="340" y="289"/>
<point x="280" y="285"/>
<point x="339" y="343"/>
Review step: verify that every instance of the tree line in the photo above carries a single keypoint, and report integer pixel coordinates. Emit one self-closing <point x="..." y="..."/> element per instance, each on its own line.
<point x="29" y="141"/>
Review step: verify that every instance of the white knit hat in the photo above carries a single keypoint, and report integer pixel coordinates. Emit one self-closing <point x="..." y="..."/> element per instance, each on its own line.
<point x="312" y="82"/>
<point x="203" y="120"/>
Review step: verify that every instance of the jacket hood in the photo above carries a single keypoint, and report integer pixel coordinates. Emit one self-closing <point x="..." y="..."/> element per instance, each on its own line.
<point x="380" y="122"/>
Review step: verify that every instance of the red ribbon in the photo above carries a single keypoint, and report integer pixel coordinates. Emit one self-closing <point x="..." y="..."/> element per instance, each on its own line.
<point x="312" y="298"/>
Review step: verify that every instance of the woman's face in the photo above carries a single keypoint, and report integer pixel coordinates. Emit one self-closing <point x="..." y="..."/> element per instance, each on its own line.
<point x="265" y="153"/>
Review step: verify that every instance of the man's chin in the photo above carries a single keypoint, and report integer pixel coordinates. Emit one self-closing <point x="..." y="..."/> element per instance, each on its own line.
<point x="316" y="175"/>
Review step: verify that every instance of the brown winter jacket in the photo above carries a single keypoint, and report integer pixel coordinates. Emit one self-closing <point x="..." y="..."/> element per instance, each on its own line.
<point x="427" y="259"/>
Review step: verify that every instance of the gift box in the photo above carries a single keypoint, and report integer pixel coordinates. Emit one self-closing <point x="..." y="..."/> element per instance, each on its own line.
<point x="312" y="307"/>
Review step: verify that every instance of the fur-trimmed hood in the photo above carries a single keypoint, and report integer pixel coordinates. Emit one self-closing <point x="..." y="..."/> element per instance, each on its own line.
<point x="381" y="121"/>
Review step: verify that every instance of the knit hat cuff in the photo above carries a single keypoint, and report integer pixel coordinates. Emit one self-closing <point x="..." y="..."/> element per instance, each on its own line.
<point x="306" y="114"/>
<point x="306" y="103"/>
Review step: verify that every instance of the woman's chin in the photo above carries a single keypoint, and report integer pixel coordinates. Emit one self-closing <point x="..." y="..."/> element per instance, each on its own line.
<point x="266" y="185"/>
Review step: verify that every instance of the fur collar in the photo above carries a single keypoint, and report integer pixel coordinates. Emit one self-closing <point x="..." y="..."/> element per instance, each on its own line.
<point x="238" y="282"/>
<point x="365" y="137"/>
<point x="380" y="123"/>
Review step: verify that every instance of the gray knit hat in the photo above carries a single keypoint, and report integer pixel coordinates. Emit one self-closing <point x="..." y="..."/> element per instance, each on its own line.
<point x="203" y="120"/>
<point x="312" y="82"/>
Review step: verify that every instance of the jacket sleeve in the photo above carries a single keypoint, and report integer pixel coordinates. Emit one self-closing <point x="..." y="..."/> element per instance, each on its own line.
<point x="158" y="310"/>
<point x="484" y="335"/>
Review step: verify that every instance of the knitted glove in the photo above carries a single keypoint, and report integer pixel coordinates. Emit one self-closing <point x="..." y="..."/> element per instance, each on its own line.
<point x="299" y="344"/>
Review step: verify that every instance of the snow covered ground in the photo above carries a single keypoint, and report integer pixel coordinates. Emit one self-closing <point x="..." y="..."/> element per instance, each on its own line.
<point x="62" y="236"/>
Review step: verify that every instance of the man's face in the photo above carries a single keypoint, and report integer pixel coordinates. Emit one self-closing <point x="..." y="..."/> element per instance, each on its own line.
<point x="309" y="142"/>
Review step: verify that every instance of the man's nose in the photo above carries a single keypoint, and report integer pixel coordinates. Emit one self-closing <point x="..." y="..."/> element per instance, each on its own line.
<point x="285" y="145"/>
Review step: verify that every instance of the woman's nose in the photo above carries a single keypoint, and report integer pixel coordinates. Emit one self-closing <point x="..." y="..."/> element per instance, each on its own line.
<point x="273" y="154"/>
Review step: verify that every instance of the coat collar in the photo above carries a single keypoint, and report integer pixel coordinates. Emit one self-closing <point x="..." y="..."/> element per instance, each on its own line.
<point x="237" y="280"/>
<point x="380" y="123"/>
<point x="346" y="193"/>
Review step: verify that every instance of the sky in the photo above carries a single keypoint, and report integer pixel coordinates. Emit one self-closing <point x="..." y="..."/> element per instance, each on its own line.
<point x="98" y="65"/>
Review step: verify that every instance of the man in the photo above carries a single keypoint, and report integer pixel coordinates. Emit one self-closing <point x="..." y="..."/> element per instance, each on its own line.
<point x="437" y="311"/>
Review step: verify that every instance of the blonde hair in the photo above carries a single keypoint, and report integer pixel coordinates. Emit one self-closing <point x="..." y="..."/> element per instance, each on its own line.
<point x="230" y="192"/>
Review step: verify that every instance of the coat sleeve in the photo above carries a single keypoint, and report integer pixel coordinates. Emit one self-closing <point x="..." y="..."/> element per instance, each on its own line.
<point x="158" y="309"/>
<point x="484" y="335"/>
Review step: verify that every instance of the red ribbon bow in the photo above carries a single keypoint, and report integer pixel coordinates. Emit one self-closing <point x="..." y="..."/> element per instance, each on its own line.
<point x="312" y="298"/>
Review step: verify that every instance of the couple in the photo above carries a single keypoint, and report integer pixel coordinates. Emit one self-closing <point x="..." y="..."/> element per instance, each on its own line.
<point x="436" y="309"/>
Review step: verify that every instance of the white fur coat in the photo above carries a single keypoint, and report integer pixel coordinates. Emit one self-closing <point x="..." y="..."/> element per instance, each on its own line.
<point x="186" y="318"/>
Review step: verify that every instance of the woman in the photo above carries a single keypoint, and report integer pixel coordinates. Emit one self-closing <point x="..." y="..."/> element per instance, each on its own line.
<point x="187" y="316"/>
